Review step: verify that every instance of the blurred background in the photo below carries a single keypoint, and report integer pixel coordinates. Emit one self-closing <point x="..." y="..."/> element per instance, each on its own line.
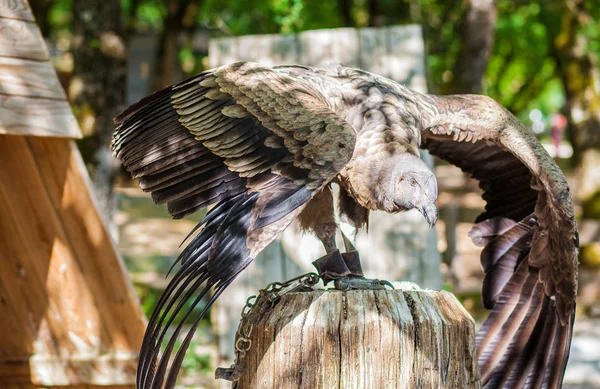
<point x="537" y="58"/>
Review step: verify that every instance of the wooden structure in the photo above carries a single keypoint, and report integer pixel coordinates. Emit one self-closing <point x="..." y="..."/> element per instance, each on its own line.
<point x="69" y="316"/>
<point x="397" y="246"/>
<point x="363" y="339"/>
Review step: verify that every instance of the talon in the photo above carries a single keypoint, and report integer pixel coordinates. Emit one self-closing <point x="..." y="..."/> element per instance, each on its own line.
<point x="387" y="283"/>
<point x="356" y="283"/>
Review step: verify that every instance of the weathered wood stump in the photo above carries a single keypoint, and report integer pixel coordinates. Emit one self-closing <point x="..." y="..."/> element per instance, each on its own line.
<point x="363" y="339"/>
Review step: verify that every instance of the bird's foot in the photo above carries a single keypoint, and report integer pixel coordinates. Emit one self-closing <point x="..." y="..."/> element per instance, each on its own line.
<point x="354" y="283"/>
<point x="345" y="271"/>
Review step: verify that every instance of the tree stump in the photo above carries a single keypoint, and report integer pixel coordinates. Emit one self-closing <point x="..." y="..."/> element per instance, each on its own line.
<point x="363" y="339"/>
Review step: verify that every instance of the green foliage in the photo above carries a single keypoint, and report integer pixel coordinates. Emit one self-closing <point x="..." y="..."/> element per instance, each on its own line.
<point x="439" y="20"/>
<point x="60" y="15"/>
<point x="195" y="362"/>
<point x="233" y="17"/>
<point x="521" y="74"/>
<point x="150" y="15"/>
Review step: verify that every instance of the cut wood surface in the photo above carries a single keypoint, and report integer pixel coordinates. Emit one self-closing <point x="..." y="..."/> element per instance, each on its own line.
<point x="363" y="340"/>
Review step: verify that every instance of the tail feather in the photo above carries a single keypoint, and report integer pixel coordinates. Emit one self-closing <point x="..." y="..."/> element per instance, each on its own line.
<point x="178" y="360"/>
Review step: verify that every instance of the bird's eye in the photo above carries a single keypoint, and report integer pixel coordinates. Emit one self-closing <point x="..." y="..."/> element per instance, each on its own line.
<point x="413" y="182"/>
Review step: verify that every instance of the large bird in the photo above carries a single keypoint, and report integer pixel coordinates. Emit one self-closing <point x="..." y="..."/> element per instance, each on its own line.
<point x="263" y="145"/>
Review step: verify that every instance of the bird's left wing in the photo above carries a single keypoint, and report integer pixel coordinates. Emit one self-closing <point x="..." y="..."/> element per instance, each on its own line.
<point x="255" y="142"/>
<point x="528" y="233"/>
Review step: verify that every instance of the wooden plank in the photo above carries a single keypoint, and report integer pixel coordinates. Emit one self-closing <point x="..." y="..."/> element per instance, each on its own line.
<point x="65" y="306"/>
<point x="373" y="50"/>
<point x="223" y="51"/>
<point x="266" y="49"/>
<point x="69" y="189"/>
<point x="83" y="386"/>
<point x="406" y="59"/>
<point x="21" y="115"/>
<point x="320" y="47"/>
<point x="269" y="49"/>
<point x="38" y="268"/>
<point x="10" y="345"/>
<point x="44" y="370"/>
<point x="22" y="39"/>
<point x="285" y="49"/>
<point x="29" y="78"/>
<point x="16" y="9"/>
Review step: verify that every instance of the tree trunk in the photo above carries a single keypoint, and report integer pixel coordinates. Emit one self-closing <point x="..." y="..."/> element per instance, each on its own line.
<point x="363" y="339"/>
<point x="181" y="15"/>
<point x="581" y="80"/>
<point x="477" y="31"/>
<point x="98" y="88"/>
<point x="374" y="13"/>
<point x="346" y="11"/>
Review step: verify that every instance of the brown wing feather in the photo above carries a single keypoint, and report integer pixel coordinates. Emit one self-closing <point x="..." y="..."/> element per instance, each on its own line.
<point x="257" y="143"/>
<point x="529" y="234"/>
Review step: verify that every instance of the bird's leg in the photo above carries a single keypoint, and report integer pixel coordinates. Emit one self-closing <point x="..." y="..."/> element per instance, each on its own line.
<point x="342" y="268"/>
<point x="348" y="233"/>
<point x="352" y="217"/>
<point x="318" y="217"/>
<point x="332" y="265"/>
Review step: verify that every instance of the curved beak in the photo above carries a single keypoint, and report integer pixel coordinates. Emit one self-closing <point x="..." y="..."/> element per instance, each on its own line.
<point x="429" y="210"/>
<point x="430" y="213"/>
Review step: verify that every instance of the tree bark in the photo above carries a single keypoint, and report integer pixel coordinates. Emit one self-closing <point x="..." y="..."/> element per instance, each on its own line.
<point x="98" y="88"/>
<point x="477" y="31"/>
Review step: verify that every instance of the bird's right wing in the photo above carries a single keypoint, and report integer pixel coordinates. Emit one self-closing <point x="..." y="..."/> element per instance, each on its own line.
<point x="256" y="142"/>
<point x="529" y="236"/>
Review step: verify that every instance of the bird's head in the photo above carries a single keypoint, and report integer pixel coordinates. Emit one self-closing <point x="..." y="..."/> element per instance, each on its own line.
<point x="405" y="182"/>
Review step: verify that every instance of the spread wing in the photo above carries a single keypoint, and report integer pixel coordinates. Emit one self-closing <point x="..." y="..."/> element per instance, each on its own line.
<point x="254" y="142"/>
<point x="529" y="237"/>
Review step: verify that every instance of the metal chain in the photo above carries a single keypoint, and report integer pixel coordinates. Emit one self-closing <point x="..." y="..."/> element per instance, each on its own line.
<point x="256" y="307"/>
